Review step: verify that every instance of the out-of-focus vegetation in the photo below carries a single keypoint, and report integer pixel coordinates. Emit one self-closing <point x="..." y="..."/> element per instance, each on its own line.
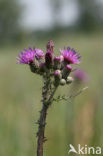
<point x="90" y="15"/>
<point x="11" y="30"/>
<point x="9" y="20"/>
<point x="75" y="121"/>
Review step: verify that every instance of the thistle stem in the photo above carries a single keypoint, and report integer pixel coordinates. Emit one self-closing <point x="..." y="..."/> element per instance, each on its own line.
<point x="41" y="131"/>
<point x="47" y="99"/>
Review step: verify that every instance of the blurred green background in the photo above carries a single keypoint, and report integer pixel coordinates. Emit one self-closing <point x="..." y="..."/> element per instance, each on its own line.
<point x="78" y="121"/>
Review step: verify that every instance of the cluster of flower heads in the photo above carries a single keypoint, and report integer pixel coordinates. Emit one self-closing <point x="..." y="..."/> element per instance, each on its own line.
<point x="58" y="66"/>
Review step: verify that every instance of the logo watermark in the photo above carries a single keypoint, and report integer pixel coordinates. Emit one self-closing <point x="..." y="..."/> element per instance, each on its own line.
<point x="84" y="149"/>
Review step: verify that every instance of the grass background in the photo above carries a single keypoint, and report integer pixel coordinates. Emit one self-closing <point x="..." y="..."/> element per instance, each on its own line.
<point x="77" y="121"/>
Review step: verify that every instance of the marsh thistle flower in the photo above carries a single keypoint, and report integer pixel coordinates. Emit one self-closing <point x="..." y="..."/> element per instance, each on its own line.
<point x="27" y="56"/>
<point x="70" y="56"/>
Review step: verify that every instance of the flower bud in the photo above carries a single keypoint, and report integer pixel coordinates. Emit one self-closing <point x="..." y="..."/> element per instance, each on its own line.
<point x="58" y="58"/>
<point x="48" y="59"/>
<point x="50" y="46"/>
<point x="62" y="82"/>
<point x="66" y="71"/>
<point x="57" y="62"/>
<point x="49" y="54"/>
<point x="57" y="74"/>
<point x="69" y="79"/>
<point x="68" y="67"/>
<point x="57" y="77"/>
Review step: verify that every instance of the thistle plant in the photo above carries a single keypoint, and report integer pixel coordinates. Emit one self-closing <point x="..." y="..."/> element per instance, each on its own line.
<point x="55" y="71"/>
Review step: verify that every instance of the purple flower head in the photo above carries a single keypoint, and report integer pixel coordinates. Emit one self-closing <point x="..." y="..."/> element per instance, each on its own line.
<point x="39" y="53"/>
<point x="26" y="57"/>
<point x="50" y="46"/>
<point x="70" y="56"/>
<point x="80" y="75"/>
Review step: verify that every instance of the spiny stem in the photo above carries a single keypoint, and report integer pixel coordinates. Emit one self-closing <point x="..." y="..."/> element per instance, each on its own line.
<point x="47" y="94"/>
<point x="42" y="123"/>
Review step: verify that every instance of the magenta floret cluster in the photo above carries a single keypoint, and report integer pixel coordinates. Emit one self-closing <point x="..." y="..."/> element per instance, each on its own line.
<point x="71" y="56"/>
<point x="27" y="56"/>
<point x="40" y="62"/>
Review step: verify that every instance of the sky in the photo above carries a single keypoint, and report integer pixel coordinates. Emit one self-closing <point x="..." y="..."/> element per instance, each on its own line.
<point x="37" y="14"/>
